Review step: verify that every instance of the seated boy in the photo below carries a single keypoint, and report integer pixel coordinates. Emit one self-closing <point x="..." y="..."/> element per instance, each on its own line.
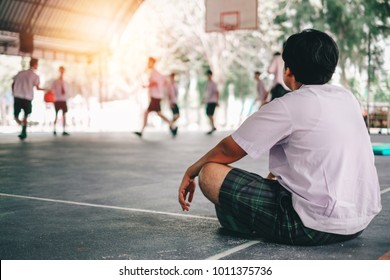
<point x="323" y="186"/>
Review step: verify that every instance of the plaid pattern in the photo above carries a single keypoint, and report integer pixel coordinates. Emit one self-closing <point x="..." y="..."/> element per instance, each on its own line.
<point x="250" y="204"/>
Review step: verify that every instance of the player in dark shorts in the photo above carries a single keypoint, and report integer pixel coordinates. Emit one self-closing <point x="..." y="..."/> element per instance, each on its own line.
<point x="60" y="89"/>
<point x="172" y="94"/>
<point x="23" y="93"/>
<point x="211" y="99"/>
<point x="156" y="92"/>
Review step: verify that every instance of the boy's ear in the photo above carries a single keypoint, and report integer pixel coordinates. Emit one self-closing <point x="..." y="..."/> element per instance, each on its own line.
<point x="288" y="72"/>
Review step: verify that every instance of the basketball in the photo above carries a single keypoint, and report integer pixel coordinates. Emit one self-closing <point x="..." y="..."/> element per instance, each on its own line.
<point x="49" y="97"/>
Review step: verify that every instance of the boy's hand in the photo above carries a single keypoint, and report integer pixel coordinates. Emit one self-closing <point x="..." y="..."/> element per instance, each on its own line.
<point x="187" y="187"/>
<point x="271" y="176"/>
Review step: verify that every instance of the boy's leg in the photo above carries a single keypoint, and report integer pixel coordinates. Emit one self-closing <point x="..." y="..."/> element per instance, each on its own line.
<point x="175" y="113"/>
<point x="55" y="122"/>
<point x="249" y="203"/>
<point x="27" y="109"/>
<point x="210" y="110"/>
<point x="146" y="114"/>
<point x="169" y="122"/>
<point x="23" y="134"/>
<point x="211" y="118"/>
<point x="164" y="118"/>
<point x="145" y="122"/>
<point x="64" y="111"/>
<point x="63" y="120"/>
<point x="64" y="123"/>
<point x="17" y="109"/>
<point x="211" y="177"/>
<point x="245" y="202"/>
<point x="17" y="120"/>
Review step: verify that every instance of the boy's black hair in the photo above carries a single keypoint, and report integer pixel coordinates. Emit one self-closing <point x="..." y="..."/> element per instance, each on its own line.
<point x="257" y="73"/>
<point x="209" y="72"/>
<point x="312" y="56"/>
<point x="33" y="61"/>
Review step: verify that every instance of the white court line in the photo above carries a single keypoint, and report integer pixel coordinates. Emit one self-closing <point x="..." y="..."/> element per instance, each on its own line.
<point x="108" y="206"/>
<point x="215" y="257"/>
<point x="385" y="191"/>
<point x="233" y="250"/>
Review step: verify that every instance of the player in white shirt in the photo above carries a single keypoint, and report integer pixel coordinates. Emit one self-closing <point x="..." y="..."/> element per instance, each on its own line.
<point x="172" y="94"/>
<point x="276" y="68"/>
<point x="60" y="88"/>
<point x="323" y="186"/>
<point x="211" y="98"/>
<point x="23" y="91"/>
<point x="261" y="92"/>
<point x="156" y="93"/>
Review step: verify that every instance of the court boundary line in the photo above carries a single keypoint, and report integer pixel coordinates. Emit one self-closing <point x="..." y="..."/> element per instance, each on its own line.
<point x="107" y="206"/>
<point x="214" y="257"/>
<point x="233" y="250"/>
<point x="385" y="191"/>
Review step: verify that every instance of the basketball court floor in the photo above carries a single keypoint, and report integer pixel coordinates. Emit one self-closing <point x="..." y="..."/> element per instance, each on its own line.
<point x="113" y="196"/>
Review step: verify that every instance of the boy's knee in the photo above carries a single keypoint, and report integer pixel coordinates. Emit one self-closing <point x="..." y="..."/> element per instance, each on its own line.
<point x="205" y="172"/>
<point x="211" y="177"/>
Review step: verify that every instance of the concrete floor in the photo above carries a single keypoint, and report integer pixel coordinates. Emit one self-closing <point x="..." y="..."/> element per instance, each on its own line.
<point x="114" y="196"/>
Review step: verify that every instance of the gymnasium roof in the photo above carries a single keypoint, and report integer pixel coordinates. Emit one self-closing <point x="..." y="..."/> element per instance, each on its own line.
<point x="64" y="27"/>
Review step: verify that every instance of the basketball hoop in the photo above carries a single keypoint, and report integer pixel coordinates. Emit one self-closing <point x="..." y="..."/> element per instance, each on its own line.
<point x="229" y="20"/>
<point x="227" y="15"/>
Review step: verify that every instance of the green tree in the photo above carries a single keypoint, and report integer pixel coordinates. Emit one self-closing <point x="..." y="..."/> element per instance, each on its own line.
<point x="359" y="27"/>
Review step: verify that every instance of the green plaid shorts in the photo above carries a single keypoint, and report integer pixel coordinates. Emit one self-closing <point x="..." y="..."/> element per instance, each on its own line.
<point x="250" y="204"/>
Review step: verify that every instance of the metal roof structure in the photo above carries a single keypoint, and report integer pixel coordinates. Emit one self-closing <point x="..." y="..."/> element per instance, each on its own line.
<point x="80" y="28"/>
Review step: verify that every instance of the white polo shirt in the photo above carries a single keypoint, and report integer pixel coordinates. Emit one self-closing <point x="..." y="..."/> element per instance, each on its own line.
<point x="172" y="92"/>
<point x="156" y="90"/>
<point x="25" y="81"/>
<point x="211" y="94"/>
<point x="321" y="152"/>
<point x="60" y="89"/>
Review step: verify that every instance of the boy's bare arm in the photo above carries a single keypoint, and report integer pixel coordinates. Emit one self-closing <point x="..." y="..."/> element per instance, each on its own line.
<point x="226" y="152"/>
<point x="40" y="88"/>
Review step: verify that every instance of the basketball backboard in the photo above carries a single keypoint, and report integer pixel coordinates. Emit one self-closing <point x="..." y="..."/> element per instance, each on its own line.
<point x="225" y="15"/>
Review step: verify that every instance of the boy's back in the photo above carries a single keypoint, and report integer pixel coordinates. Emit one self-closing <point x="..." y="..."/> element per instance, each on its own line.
<point x="24" y="83"/>
<point x="323" y="156"/>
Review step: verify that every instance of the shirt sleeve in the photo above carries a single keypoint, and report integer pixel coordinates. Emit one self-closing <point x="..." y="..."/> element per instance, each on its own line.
<point x="269" y="126"/>
<point x="36" y="81"/>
